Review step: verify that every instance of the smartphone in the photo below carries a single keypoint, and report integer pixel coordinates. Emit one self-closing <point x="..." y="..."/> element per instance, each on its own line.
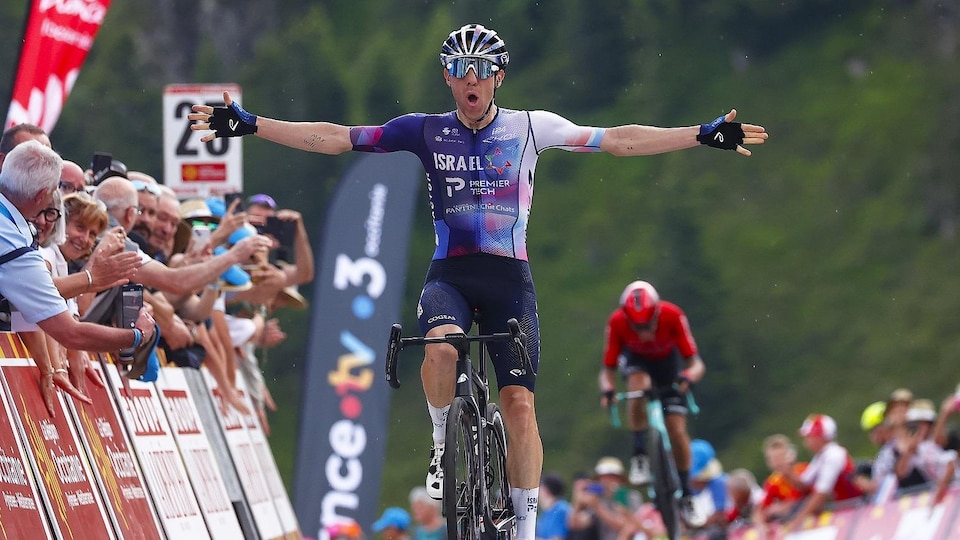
<point x="595" y="487"/>
<point x="129" y="303"/>
<point x="280" y="229"/>
<point x="228" y="199"/>
<point x="201" y="236"/>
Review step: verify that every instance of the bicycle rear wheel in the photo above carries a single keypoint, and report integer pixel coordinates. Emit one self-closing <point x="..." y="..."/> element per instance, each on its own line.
<point x="665" y="483"/>
<point x="462" y="477"/>
<point x="500" y="510"/>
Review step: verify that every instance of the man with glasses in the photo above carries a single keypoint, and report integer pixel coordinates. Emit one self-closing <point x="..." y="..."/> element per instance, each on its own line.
<point x="72" y="179"/>
<point x="649" y="341"/>
<point x="480" y="161"/>
<point x="148" y="195"/>
<point x="30" y="176"/>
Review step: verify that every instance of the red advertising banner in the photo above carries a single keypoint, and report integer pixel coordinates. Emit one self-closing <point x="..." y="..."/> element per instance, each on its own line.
<point x="21" y="513"/>
<point x="268" y="465"/>
<point x="244" y="454"/>
<point x="198" y="456"/>
<point x="57" y="37"/>
<point x="114" y="465"/>
<point x="66" y="482"/>
<point x="163" y="467"/>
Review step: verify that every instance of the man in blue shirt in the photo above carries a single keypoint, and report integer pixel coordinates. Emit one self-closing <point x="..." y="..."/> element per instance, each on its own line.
<point x="30" y="175"/>
<point x="552" y="521"/>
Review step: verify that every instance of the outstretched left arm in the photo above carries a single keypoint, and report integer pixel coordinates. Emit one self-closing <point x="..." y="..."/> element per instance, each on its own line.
<point x="638" y="140"/>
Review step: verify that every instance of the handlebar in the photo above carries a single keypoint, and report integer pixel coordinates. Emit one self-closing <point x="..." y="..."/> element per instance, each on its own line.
<point x="459" y="340"/>
<point x="634" y="394"/>
<point x="692" y="406"/>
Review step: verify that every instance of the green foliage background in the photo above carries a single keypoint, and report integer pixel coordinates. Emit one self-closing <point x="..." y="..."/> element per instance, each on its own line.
<point x="818" y="275"/>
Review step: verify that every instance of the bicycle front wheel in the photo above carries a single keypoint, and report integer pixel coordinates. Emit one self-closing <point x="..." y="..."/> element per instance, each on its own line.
<point x="665" y="483"/>
<point x="462" y="477"/>
<point x="500" y="507"/>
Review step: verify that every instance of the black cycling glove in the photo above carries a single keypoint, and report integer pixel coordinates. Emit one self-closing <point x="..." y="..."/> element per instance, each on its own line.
<point x="232" y="121"/>
<point x="721" y="134"/>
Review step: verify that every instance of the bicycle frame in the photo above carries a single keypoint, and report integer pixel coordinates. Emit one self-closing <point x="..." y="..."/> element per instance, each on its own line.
<point x="655" y="418"/>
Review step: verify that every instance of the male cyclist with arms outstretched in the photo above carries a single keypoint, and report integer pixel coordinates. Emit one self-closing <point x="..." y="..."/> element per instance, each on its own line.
<point x="480" y="161"/>
<point x="648" y="339"/>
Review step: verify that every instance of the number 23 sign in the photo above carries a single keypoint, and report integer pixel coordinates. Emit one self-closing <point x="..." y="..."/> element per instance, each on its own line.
<point x="193" y="168"/>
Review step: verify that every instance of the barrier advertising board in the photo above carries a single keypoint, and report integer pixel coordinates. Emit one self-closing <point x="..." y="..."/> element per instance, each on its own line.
<point x="115" y="467"/>
<point x="197" y="454"/>
<point x="21" y="514"/>
<point x="143" y="461"/>
<point x="245" y="459"/>
<point x="65" y="480"/>
<point x="163" y="468"/>
<point x="288" y="518"/>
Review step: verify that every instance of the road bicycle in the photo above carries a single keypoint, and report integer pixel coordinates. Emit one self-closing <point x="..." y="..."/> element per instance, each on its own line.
<point x="476" y="491"/>
<point x="666" y="482"/>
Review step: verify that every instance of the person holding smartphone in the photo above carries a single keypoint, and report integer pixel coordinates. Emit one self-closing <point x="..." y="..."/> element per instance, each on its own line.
<point x="30" y="175"/>
<point x="286" y="228"/>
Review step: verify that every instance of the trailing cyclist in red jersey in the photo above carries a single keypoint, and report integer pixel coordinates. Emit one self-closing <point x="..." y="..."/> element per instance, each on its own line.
<point x="672" y="332"/>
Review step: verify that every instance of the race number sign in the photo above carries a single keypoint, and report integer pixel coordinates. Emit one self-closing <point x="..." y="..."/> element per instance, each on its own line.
<point x="190" y="167"/>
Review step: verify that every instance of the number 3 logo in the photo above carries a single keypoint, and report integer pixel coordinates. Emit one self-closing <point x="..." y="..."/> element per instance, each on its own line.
<point x="349" y="272"/>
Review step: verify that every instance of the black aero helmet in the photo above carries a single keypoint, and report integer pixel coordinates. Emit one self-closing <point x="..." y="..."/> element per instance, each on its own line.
<point x="475" y="40"/>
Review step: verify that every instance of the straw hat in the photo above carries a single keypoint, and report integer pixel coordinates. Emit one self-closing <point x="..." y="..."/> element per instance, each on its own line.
<point x="197" y="210"/>
<point x="290" y="297"/>
<point x="609" y="466"/>
<point x="921" y="410"/>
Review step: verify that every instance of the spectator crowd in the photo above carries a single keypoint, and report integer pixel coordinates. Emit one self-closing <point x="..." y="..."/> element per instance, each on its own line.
<point x="916" y="451"/>
<point x="213" y="275"/>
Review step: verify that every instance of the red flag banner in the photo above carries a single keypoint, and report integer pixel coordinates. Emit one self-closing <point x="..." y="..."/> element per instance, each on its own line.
<point x="57" y="37"/>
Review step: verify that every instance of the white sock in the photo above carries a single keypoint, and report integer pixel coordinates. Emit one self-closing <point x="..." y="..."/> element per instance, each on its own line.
<point x="525" y="505"/>
<point x="439" y="417"/>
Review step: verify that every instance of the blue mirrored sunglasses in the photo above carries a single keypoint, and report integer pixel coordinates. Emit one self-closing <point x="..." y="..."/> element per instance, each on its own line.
<point x="458" y="67"/>
<point x="140" y="185"/>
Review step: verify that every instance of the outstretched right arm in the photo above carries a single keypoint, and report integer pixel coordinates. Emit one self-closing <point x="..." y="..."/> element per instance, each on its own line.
<point x="233" y="121"/>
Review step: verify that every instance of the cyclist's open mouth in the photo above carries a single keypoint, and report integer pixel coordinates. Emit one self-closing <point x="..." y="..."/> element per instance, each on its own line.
<point x="473" y="98"/>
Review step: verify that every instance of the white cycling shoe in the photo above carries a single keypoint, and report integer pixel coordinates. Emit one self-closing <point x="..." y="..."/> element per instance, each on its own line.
<point x="640" y="470"/>
<point x="690" y="514"/>
<point x="434" y="483"/>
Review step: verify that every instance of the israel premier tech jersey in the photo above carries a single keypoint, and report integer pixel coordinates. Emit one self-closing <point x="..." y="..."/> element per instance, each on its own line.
<point x="480" y="182"/>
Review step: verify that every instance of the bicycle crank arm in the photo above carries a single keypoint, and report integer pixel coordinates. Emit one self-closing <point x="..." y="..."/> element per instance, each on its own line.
<point x="502" y="529"/>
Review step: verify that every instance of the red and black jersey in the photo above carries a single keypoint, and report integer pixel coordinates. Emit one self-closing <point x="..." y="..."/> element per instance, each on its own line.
<point x="673" y="331"/>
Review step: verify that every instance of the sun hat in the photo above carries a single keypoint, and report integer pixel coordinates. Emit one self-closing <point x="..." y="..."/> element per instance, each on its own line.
<point x="197" y="210"/>
<point x="704" y="464"/>
<point x="608" y="465"/>
<point x="921" y="410"/>
<point x="392" y="517"/>
<point x="900" y="395"/>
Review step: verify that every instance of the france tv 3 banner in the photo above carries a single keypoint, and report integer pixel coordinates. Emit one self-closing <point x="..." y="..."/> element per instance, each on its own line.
<point x="57" y="36"/>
